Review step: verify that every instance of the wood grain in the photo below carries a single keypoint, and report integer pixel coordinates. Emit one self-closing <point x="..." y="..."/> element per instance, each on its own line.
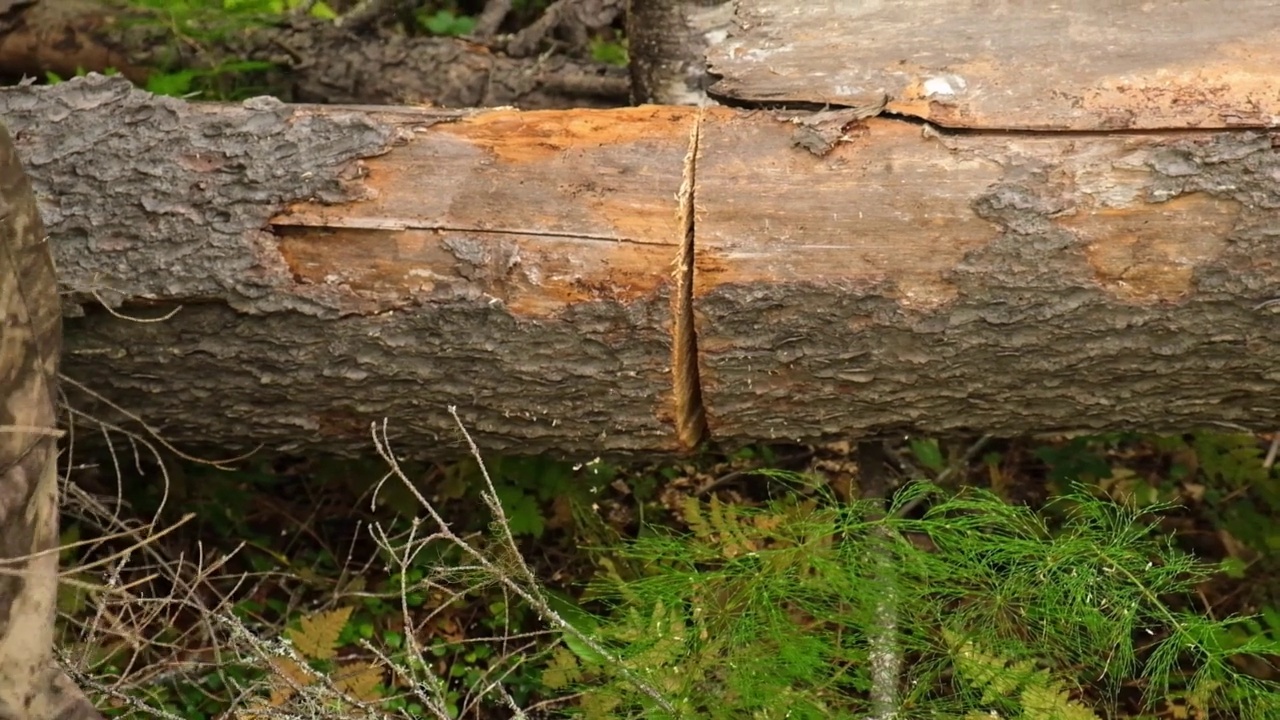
<point x="1087" y="65"/>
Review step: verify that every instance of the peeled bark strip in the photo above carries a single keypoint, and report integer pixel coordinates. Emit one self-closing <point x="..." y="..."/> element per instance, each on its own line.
<point x="336" y="266"/>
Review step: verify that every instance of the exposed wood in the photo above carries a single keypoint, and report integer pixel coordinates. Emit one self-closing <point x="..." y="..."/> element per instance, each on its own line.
<point x="1002" y="283"/>
<point x="336" y="266"/>
<point x="690" y="417"/>
<point x="1084" y="65"/>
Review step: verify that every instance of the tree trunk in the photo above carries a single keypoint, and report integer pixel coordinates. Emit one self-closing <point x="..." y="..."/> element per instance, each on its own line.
<point x="31" y="685"/>
<point x="337" y="266"/>
<point x="667" y="42"/>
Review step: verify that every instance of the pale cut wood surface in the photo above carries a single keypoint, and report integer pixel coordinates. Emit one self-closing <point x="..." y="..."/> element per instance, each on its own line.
<point x="335" y="266"/>
<point x="1004" y="64"/>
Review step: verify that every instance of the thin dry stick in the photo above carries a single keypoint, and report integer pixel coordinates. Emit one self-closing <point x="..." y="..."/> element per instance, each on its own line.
<point x="526" y="42"/>
<point x="33" y="430"/>
<point x="431" y="690"/>
<point x="511" y="703"/>
<point x="130" y="700"/>
<point x="151" y="431"/>
<point x="472" y="706"/>
<point x="946" y="474"/>
<point x="435" y="683"/>
<point x="429" y="697"/>
<point x="366" y="13"/>
<point x="1271" y="452"/>
<point x="320" y="689"/>
<point x="107" y="306"/>
<point x="531" y="593"/>
<point x="22" y="560"/>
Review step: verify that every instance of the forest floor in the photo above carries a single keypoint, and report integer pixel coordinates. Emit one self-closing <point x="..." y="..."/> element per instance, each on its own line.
<point x="283" y="545"/>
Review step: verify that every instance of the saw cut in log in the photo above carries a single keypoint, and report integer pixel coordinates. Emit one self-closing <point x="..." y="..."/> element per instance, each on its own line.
<point x="331" y="267"/>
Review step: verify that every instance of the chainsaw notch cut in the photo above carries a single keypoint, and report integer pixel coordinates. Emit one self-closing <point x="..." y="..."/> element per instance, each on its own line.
<point x="690" y="416"/>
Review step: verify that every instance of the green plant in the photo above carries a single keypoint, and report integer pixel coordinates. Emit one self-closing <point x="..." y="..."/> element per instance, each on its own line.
<point x="609" y="52"/>
<point x="1079" y="460"/>
<point x="319" y="9"/>
<point x="524" y="485"/>
<point x="183" y="83"/>
<point x="315" y="642"/>
<point x="1032" y="691"/>
<point x="1241" y="490"/>
<point x="771" y="612"/>
<point x="54" y="78"/>
<point x="1077" y="611"/>
<point x="185" y="29"/>
<point x="446" y="22"/>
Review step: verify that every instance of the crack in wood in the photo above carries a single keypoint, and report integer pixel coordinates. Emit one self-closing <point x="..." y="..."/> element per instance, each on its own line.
<point x="400" y="225"/>
<point x="690" y="414"/>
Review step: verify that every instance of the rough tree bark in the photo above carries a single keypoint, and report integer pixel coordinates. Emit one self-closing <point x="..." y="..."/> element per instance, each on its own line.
<point x="315" y="61"/>
<point x="335" y="266"/>
<point x="32" y="687"/>
<point x="667" y="42"/>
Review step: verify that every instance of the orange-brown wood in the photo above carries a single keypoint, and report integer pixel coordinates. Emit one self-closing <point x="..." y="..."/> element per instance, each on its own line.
<point x="538" y="210"/>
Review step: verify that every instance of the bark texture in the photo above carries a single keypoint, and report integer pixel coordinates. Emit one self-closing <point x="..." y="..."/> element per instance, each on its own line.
<point x="1084" y="65"/>
<point x="335" y="266"/>
<point x="667" y="41"/>
<point x="312" y="60"/>
<point x="32" y="687"/>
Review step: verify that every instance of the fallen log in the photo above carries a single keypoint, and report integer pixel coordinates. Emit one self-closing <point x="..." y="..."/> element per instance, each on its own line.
<point x="854" y="271"/>
<point x="334" y="266"/>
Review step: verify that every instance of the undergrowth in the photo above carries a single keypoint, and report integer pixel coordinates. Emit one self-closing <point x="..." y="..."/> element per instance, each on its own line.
<point x="189" y="39"/>
<point x="949" y="603"/>
<point x="772" y="613"/>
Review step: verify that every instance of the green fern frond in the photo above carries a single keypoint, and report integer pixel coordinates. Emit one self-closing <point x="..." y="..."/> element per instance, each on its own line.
<point x="1037" y="694"/>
